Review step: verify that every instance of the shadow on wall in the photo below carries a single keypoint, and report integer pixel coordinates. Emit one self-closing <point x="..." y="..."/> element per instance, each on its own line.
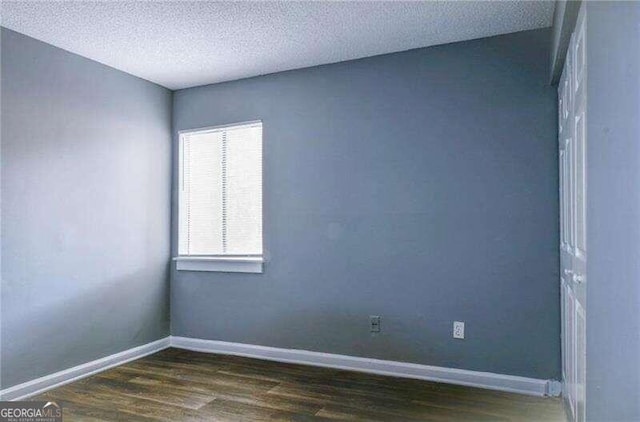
<point x="57" y="329"/>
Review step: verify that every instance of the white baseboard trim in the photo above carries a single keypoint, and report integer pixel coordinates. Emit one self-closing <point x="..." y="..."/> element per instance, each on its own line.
<point x="39" y="385"/>
<point x="508" y="383"/>
<point x="488" y="380"/>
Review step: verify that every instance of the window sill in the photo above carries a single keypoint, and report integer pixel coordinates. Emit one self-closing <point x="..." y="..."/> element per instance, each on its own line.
<point x="230" y="264"/>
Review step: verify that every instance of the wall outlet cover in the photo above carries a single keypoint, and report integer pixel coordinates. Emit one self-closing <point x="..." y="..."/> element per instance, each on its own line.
<point x="458" y="329"/>
<point x="374" y="323"/>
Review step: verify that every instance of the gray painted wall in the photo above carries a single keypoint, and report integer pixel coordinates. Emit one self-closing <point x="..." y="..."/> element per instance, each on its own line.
<point x="613" y="211"/>
<point x="85" y="207"/>
<point x="419" y="186"/>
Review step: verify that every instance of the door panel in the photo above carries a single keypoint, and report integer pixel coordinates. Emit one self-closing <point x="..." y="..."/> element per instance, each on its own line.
<point x="570" y="380"/>
<point x="581" y="362"/>
<point x="580" y="187"/>
<point x="569" y="179"/>
<point x="563" y="328"/>
<point x="579" y="52"/>
<point x="563" y="217"/>
<point x="578" y="117"/>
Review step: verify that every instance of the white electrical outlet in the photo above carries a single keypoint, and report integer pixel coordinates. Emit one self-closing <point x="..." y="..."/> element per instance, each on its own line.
<point x="458" y="329"/>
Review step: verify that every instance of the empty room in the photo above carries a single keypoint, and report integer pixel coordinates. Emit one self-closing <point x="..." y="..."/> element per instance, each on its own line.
<point x="320" y="210"/>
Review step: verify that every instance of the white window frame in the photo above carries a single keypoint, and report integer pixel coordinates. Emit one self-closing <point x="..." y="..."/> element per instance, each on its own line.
<point x="217" y="263"/>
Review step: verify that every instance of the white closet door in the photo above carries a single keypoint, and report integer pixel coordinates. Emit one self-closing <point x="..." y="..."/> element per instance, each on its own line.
<point x="572" y="100"/>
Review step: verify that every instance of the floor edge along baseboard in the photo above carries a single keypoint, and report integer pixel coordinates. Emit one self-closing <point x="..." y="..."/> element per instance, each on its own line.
<point x="487" y="380"/>
<point x="42" y="384"/>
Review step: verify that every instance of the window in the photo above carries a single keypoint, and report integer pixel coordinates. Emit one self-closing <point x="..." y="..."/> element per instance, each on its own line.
<point x="220" y="199"/>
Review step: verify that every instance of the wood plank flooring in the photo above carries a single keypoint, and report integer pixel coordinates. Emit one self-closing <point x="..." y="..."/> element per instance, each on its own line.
<point x="179" y="385"/>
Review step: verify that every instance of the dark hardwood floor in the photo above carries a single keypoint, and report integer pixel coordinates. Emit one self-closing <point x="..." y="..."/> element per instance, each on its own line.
<point x="178" y="385"/>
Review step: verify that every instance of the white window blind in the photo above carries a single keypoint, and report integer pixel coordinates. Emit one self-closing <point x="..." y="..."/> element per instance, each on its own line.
<point x="220" y="198"/>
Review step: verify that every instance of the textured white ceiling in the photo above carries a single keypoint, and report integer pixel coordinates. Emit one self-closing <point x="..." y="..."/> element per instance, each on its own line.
<point x="181" y="44"/>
